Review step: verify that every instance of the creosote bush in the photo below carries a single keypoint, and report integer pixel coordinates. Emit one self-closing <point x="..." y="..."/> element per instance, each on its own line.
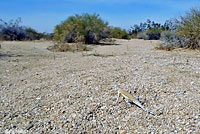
<point x="188" y="29"/>
<point x="85" y="28"/>
<point x="170" y="40"/>
<point x="186" y="33"/>
<point x="119" y="33"/>
<point x="32" y="34"/>
<point x="153" y="34"/>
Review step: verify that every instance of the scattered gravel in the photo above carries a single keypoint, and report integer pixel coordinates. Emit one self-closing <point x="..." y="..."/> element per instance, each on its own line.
<point x="47" y="92"/>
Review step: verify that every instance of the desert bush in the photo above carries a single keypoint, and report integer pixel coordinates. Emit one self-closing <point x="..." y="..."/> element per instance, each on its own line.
<point x="119" y="33"/>
<point x="148" y="30"/>
<point x="133" y="36"/>
<point x="48" y="36"/>
<point x="168" y="36"/>
<point x="84" y="28"/>
<point x="169" y="25"/>
<point x="12" y="30"/>
<point x="188" y="28"/>
<point x="32" y="34"/>
<point x="142" y="35"/>
<point x="153" y="34"/>
<point x="138" y="29"/>
<point x="185" y="32"/>
<point x="170" y="40"/>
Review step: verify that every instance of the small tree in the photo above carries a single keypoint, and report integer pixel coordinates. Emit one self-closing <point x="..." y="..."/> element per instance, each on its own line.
<point x="82" y="28"/>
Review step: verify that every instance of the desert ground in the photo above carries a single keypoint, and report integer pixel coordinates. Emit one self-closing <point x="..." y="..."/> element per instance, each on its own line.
<point x="64" y="92"/>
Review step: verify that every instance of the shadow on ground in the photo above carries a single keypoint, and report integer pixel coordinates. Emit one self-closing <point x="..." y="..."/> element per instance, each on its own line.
<point x="106" y="44"/>
<point x="9" y="55"/>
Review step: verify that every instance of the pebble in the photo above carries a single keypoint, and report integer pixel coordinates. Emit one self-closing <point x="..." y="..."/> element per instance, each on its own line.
<point x="123" y="131"/>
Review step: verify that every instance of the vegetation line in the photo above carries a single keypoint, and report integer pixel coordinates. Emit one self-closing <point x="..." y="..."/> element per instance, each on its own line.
<point x="91" y="29"/>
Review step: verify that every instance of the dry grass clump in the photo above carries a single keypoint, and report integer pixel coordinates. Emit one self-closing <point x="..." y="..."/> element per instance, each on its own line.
<point x="65" y="47"/>
<point x="162" y="46"/>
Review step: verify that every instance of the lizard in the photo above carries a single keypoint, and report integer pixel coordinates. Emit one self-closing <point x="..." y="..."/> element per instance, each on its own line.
<point x="132" y="100"/>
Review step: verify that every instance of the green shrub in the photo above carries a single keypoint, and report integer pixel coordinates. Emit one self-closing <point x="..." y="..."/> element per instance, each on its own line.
<point x="119" y="33"/>
<point x="185" y="32"/>
<point x="150" y="30"/>
<point x="188" y="28"/>
<point x="84" y="28"/>
<point x="32" y="34"/>
<point x="133" y="36"/>
<point x="153" y="34"/>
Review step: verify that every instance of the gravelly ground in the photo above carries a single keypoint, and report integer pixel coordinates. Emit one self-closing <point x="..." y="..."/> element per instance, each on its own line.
<point x="46" y="92"/>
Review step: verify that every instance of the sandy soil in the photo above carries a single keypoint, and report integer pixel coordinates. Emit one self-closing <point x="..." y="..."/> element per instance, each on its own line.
<point x="47" y="92"/>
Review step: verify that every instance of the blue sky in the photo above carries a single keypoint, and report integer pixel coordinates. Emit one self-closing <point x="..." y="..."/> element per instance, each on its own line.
<point x="44" y="15"/>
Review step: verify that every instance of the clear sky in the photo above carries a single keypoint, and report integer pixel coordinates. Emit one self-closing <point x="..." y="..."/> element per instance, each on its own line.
<point x="44" y="15"/>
